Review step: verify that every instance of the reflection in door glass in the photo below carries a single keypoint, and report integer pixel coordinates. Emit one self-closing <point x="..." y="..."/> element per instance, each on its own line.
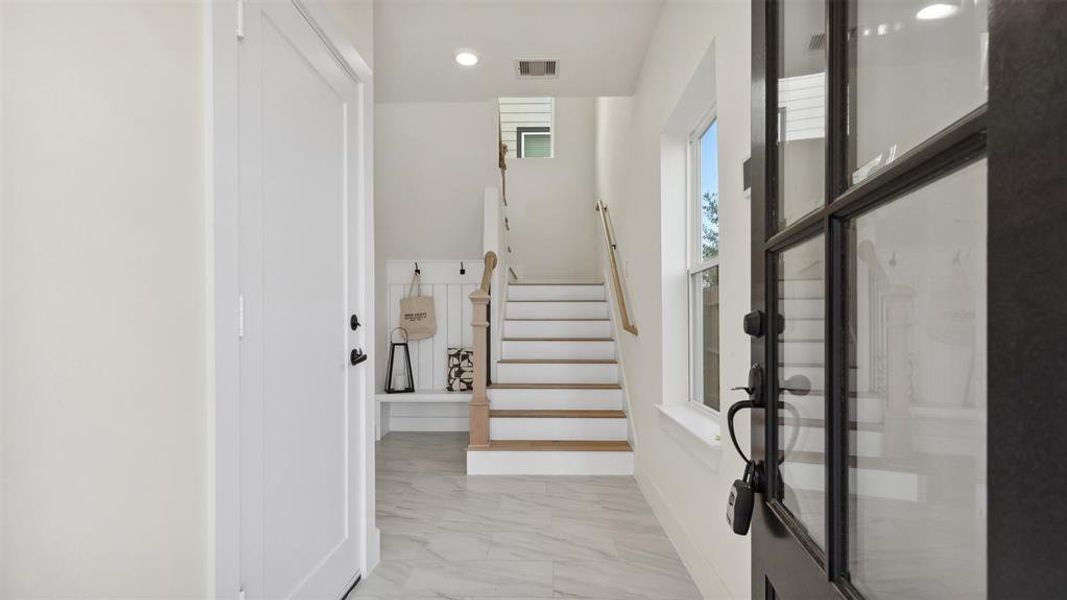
<point x="801" y="109"/>
<point x="920" y="66"/>
<point x="917" y="484"/>
<point x="801" y="416"/>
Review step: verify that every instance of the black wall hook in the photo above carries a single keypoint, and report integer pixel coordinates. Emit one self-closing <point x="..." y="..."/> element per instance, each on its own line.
<point x="462" y="269"/>
<point x="417" y="270"/>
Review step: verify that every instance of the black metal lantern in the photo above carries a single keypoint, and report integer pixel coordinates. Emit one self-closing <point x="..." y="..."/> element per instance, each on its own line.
<point x="394" y="348"/>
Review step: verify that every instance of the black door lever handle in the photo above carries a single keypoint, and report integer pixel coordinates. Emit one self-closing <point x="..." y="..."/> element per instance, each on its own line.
<point x="357" y="357"/>
<point x="754" y="389"/>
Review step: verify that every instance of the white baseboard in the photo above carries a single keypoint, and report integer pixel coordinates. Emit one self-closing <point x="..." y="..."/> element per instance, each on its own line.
<point x="701" y="568"/>
<point x="374" y="550"/>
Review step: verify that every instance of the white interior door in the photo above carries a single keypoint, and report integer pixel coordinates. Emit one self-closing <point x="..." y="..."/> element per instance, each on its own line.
<point x="300" y="418"/>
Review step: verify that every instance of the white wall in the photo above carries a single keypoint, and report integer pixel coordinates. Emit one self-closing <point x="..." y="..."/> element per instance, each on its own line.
<point x="356" y="19"/>
<point x="104" y="341"/>
<point x="432" y="164"/>
<point x="104" y="379"/>
<point x="688" y="493"/>
<point x="550" y="200"/>
<point x="3" y="317"/>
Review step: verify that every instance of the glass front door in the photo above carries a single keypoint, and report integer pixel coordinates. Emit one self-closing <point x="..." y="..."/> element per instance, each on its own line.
<point x="870" y="263"/>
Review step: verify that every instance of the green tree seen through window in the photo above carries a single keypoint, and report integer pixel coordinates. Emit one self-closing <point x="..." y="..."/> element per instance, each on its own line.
<point x="709" y="192"/>
<point x="709" y="225"/>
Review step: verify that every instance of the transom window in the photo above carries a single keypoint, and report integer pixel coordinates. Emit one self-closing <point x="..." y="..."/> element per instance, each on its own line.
<point x="704" y="265"/>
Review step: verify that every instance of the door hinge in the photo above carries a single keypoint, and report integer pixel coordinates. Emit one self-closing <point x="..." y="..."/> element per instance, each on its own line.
<point x="240" y="316"/>
<point x="240" y="19"/>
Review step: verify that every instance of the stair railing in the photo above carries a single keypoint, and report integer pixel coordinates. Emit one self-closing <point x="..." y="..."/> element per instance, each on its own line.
<point x="502" y="164"/>
<point x="613" y="260"/>
<point x="479" y="407"/>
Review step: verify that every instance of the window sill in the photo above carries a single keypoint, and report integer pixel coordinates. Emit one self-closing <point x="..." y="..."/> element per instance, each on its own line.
<point x="694" y="429"/>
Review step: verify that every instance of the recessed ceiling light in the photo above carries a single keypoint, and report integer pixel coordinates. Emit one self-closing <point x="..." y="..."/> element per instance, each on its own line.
<point x="466" y="58"/>
<point x="938" y="10"/>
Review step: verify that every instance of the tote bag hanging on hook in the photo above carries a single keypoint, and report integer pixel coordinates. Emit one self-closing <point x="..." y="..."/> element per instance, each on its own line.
<point x="417" y="312"/>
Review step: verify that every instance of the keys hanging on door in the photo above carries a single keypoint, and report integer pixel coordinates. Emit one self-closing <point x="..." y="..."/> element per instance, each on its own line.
<point x="742" y="493"/>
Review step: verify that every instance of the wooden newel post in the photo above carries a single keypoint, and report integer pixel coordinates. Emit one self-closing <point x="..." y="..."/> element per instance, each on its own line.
<point x="480" y="323"/>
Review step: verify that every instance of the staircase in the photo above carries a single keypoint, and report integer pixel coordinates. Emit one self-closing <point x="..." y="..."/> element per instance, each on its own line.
<point x="556" y="407"/>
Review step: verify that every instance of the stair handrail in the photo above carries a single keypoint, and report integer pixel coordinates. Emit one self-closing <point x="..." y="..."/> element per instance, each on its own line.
<point x="502" y="164"/>
<point x="479" y="406"/>
<point x="613" y="260"/>
<point x="502" y="156"/>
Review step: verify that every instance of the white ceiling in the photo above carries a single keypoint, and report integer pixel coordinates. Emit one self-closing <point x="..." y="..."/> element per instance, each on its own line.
<point x="600" y="45"/>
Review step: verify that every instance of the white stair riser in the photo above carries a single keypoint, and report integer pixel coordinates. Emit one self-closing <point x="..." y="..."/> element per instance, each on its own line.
<point x="805" y="308"/>
<point x="536" y="399"/>
<point x="537" y="428"/>
<point x="557" y="329"/>
<point x="547" y="462"/>
<point x="557" y="310"/>
<point x="867" y="444"/>
<point x="863" y="409"/>
<point x="815" y="375"/>
<point x="804" y="329"/>
<point x="802" y="288"/>
<point x="555" y="292"/>
<point x="869" y="483"/>
<point x="559" y="350"/>
<point x="557" y="373"/>
<point x="801" y="352"/>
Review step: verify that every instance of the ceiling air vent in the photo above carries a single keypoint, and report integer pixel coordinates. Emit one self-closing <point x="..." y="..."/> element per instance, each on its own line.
<point x="536" y="69"/>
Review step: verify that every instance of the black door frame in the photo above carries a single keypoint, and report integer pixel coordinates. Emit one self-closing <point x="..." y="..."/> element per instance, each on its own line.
<point x="1022" y="132"/>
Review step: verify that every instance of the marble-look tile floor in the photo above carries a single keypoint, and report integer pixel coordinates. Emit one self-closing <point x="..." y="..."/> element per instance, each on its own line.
<point x="449" y="535"/>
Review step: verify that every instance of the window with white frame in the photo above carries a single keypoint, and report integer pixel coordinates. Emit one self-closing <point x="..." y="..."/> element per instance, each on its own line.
<point x="526" y="126"/>
<point x="704" y="265"/>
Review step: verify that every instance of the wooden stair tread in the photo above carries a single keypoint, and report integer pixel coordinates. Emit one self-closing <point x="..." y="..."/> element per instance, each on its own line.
<point x="821" y="424"/>
<point x="556" y="339"/>
<point x="549" y="283"/>
<point x="861" y="462"/>
<point x="556" y="361"/>
<point x="555" y="386"/>
<point x="551" y="319"/>
<point x="557" y="414"/>
<point x="553" y="445"/>
<point x="809" y="365"/>
<point x="557" y="301"/>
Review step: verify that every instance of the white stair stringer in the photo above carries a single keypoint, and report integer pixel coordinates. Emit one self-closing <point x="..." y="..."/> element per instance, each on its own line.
<point x="556" y="406"/>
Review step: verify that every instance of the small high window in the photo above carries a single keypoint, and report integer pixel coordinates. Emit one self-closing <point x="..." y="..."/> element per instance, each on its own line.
<point x="526" y="126"/>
